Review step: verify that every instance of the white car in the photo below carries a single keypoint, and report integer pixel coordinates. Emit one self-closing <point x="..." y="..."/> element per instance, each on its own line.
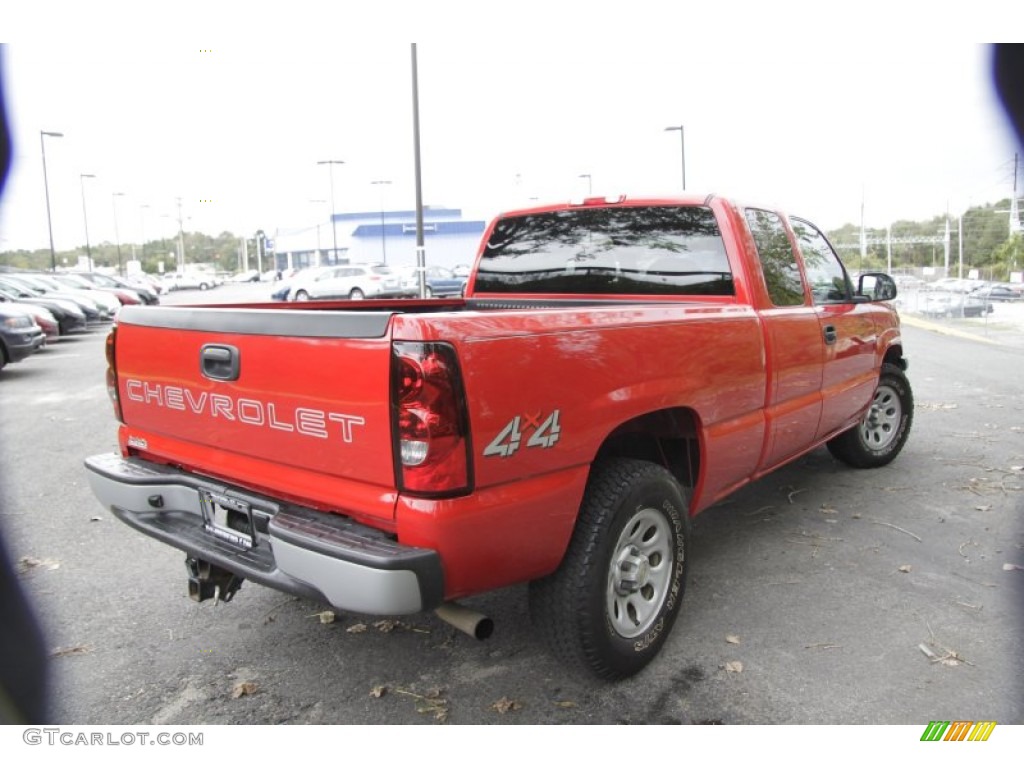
<point x="176" y="281"/>
<point x="348" y="281"/>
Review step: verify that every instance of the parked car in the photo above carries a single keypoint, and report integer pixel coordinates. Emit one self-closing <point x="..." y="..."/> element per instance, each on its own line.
<point x="89" y="305"/>
<point x="113" y="283"/>
<point x="41" y="315"/>
<point x="177" y="281"/>
<point x="249" y="276"/>
<point x="123" y="295"/>
<point x="349" y="281"/>
<point x="999" y="292"/>
<point x="955" y="305"/>
<point x="440" y="281"/>
<point x="69" y="316"/>
<point x="20" y="336"/>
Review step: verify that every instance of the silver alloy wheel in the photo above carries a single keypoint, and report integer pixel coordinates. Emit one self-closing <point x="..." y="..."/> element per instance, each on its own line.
<point x="639" y="573"/>
<point x="881" y="423"/>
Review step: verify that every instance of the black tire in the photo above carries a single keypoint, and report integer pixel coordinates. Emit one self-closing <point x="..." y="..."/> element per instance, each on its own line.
<point x="633" y="522"/>
<point x="884" y="430"/>
<point x="356" y="294"/>
<point x="428" y="292"/>
<point x="203" y="286"/>
<point x="301" y="296"/>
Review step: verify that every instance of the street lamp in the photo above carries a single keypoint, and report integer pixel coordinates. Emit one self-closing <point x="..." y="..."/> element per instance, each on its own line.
<point x="85" y="215"/>
<point x="590" y="183"/>
<point x="117" y="235"/>
<point x="334" y="227"/>
<point x="383" y="234"/>
<point x="682" y="146"/>
<point x="46" y="188"/>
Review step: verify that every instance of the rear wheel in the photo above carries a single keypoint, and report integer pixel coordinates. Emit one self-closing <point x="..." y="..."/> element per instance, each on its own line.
<point x="884" y="430"/>
<point x="356" y="294"/>
<point x="301" y="296"/>
<point x="612" y="602"/>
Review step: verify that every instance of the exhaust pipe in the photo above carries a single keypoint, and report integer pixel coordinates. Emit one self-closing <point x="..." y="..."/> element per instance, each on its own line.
<point x="464" y="619"/>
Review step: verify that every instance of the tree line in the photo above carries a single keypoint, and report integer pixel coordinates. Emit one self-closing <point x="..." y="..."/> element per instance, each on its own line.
<point x="987" y="246"/>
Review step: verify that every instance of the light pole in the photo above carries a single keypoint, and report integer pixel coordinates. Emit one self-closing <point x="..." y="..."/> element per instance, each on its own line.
<point x="318" y="202"/>
<point x="590" y="183"/>
<point x="85" y="215"/>
<point x="117" y="235"/>
<point x="46" y="188"/>
<point x="383" y="235"/>
<point x="682" y="147"/>
<point x="142" y="229"/>
<point x="334" y="227"/>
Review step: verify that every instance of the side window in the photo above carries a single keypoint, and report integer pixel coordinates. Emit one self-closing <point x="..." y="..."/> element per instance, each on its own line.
<point x="778" y="262"/>
<point x="829" y="281"/>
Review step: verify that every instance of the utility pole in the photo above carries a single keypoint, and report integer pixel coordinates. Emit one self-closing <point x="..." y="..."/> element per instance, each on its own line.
<point x="181" y="241"/>
<point x="1014" y="213"/>
<point x="421" y="251"/>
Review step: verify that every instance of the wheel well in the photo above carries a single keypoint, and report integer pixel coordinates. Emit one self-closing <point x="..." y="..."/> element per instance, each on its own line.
<point x="669" y="437"/>
<point x="894" y="355"/>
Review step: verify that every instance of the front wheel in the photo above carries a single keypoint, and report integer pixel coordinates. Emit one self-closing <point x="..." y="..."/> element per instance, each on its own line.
<point x="355" y="294"/>
<point x="613" y="600"/>
<point x="884" y="430"/>
<point x="301" y="296"/>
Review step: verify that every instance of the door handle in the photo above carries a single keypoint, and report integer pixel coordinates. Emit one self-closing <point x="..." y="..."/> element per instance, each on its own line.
<point x="831" y="337"/>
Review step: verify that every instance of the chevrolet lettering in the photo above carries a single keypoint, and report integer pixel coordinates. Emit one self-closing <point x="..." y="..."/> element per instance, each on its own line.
<point x="312" y="422"/>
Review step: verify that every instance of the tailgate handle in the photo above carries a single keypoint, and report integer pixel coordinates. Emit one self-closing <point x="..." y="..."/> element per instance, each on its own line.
<point x="219" y="361"/>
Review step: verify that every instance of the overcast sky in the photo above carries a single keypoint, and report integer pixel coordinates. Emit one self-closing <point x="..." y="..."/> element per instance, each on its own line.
<point x="232" y="117"/>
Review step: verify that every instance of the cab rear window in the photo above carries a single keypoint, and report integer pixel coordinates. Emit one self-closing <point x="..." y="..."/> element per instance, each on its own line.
<point x="630" y="250"/>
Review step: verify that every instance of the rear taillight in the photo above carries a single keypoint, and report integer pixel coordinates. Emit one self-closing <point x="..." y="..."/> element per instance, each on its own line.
<point x="430" y="424"/>
<point x="112" y="373"/>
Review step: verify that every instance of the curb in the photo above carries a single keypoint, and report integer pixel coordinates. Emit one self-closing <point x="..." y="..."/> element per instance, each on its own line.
<point x="917" y="322"/>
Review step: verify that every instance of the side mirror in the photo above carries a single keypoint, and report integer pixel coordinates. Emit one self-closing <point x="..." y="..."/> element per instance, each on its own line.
<point x="876" y="286"/>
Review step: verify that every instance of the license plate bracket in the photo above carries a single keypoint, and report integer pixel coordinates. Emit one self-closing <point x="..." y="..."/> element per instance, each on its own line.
<point x="229" y="519"/>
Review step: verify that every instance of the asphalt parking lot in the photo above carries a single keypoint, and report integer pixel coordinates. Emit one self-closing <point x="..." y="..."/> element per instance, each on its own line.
<point x="819" y="594"/>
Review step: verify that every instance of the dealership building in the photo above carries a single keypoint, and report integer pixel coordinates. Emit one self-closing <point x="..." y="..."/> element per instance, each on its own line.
<point x="387" y="237"/>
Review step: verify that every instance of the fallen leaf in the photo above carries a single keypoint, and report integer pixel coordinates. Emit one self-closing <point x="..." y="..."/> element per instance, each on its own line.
<point x="1012" y="567"/>
<point x="505" y="705"/>
<point x="733" y="639"/>
<point x="244" y="689"/>
<point x="356" y="629"/>
<point x="385" y="625"/>
<point x="327" y="617"/>
<point x="565" y="704"/>
<point x="733" y="666"/>
<point x="983" y="507"/>
<point x="74" y="650"/>
<point x="27" y="563"/>
<point x="378" y="691"/>
<point x="905" y="569"/>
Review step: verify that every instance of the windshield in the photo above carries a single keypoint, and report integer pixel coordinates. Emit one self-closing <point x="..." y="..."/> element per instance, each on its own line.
<point x="660" y="250"/>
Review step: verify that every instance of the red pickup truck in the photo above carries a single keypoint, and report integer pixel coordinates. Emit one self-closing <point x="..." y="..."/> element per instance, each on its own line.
<point x="615" y="367"/>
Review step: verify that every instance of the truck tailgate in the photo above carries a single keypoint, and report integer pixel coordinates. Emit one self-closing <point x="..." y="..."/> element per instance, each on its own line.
<point x="296" y="389"/>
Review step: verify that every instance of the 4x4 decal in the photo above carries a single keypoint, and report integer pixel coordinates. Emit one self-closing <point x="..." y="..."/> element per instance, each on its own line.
<point x="509" y="439"/>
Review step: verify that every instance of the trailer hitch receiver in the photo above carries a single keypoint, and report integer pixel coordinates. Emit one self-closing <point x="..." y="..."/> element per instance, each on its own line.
<point x="207" y="581"/>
